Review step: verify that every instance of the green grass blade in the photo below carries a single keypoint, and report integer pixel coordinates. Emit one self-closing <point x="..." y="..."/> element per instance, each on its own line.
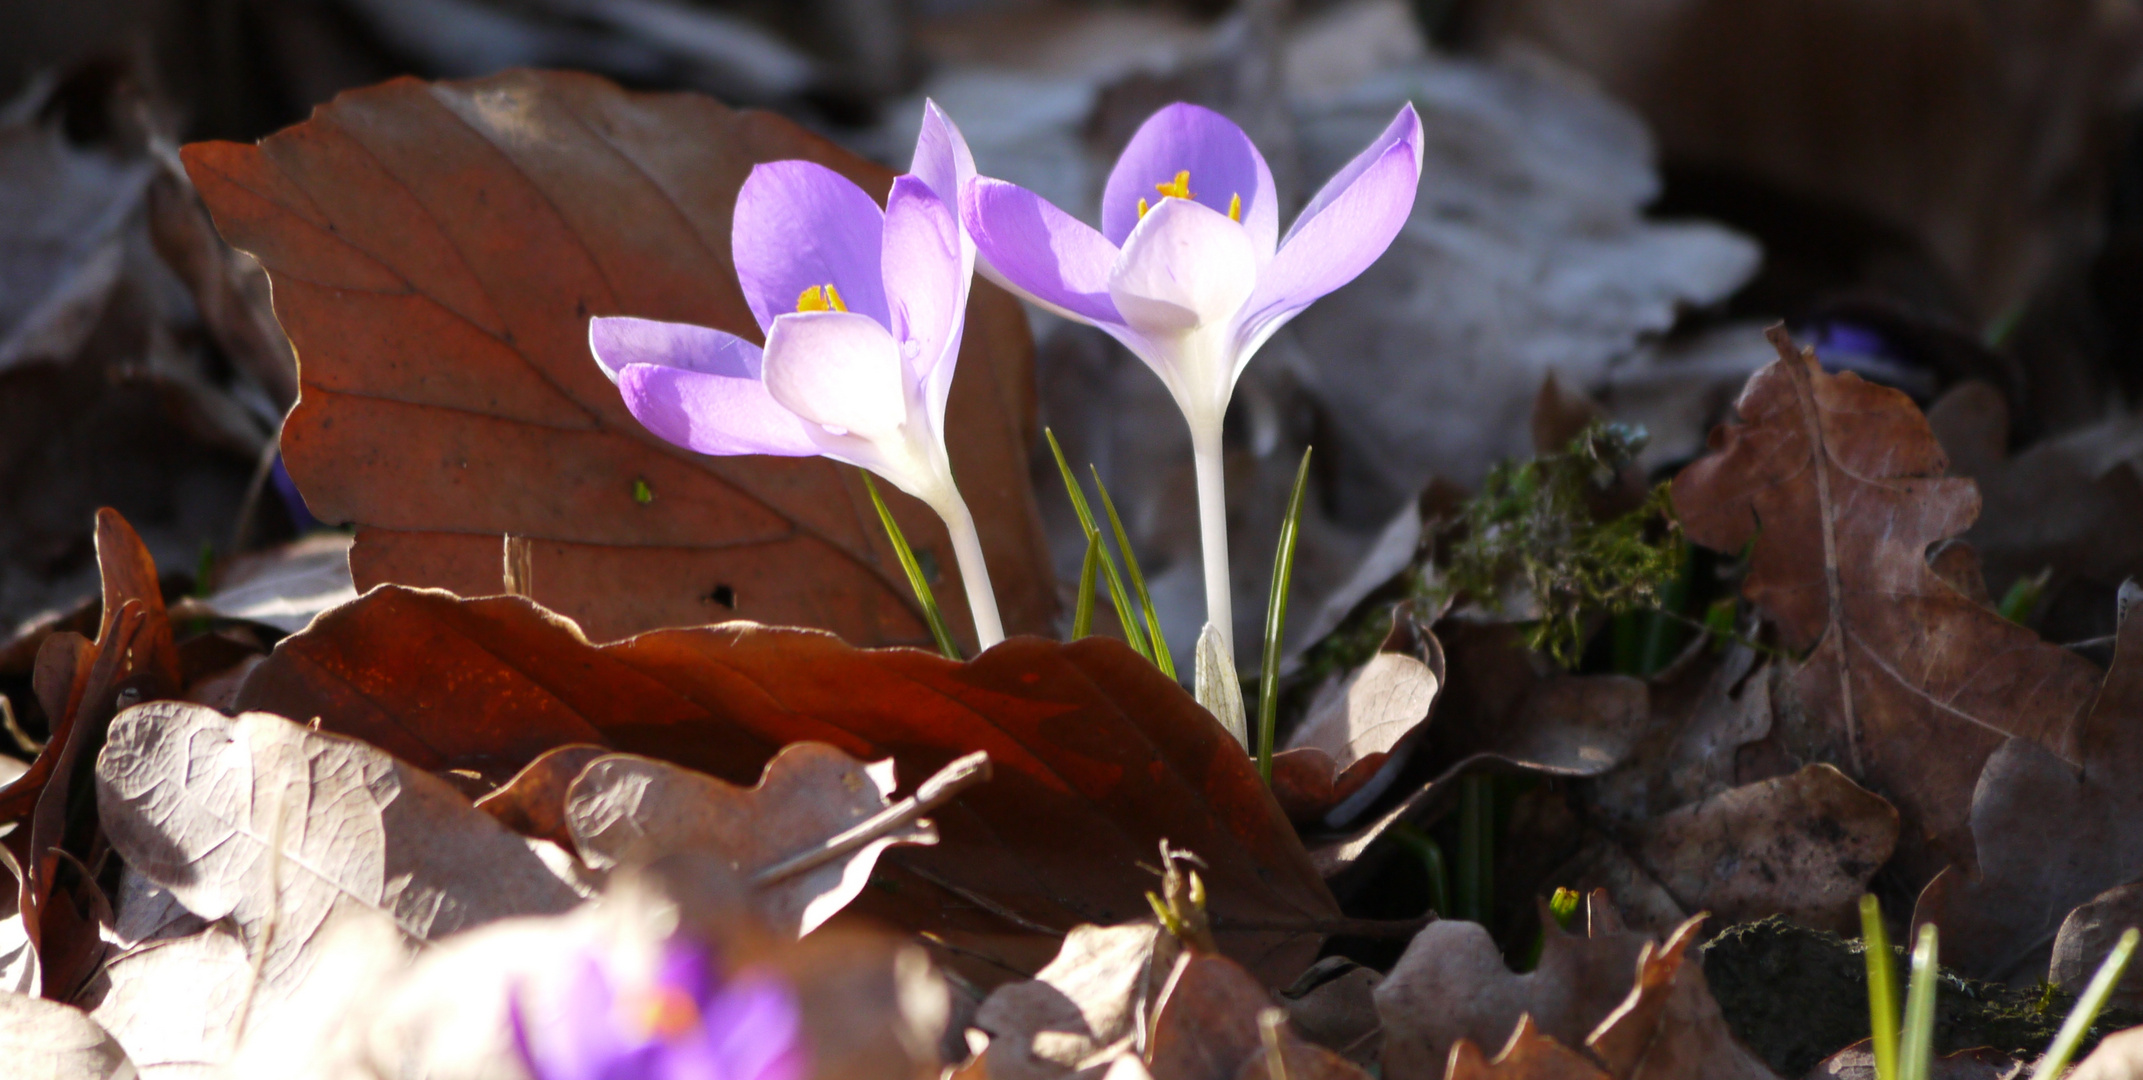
<point x="1083" y="614"/>
<point x="914" y="569"/>
<point x="1161" y="657"/>
<point x="1117" y="596"/>
<point x="1283" y="570"/>
<point x="1431" y="854"/>
<point x="1916" y="1043"/>
<point x="2087" y="1007"/>
<point x="1882" y="987"/>
<point x="1476" y="848"/>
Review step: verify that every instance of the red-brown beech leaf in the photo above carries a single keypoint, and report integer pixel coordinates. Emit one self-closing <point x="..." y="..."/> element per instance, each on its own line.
<point x="436" y="250"/>
<point x="1910" y="684"/>
<point x="1097" y="756"/>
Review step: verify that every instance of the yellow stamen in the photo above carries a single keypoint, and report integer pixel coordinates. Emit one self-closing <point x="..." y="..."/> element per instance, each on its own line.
<point x="1235" y="208"/>
<point x="1142" y="209"/>
<point x="667" y="1012"/>
<point x="1179" y="188"/>
<point x="820" y="298"/>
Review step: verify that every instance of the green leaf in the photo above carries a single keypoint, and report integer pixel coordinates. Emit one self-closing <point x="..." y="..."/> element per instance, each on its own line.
<point x="1916" y="1043"/>
<point x="1882" y="987"/>
<point x="1083" y="614"/>
<point x="1161" y="658"/>
<point x="916" y="580"/>
<point x="1117" y="596"/>
<point x="2087" y="1007"/>
<point x="1283" y="569"/>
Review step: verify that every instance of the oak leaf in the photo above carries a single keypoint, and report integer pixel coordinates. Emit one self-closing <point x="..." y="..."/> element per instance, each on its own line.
<point x="436" y="251"/>
<point x="1910" y="684"/>
<point x="1097" y="756"/>
<point x="44" y="1040"/>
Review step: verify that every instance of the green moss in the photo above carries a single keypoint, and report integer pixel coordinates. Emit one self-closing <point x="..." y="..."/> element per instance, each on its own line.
<point x="1796" y="996"/>
<point x="1533" y="530"/>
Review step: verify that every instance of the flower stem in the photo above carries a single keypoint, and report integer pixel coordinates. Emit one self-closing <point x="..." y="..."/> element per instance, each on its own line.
<point x="974" y="573"/>
<point x="1213" y="531"/>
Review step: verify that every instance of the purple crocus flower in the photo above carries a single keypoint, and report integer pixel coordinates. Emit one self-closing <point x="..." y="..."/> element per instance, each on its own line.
<point x="1189" y="270"/>
<point x="862" y="310"/>
<point x="681" y="1021"/>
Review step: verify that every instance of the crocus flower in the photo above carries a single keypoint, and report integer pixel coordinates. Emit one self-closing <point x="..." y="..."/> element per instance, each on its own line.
<point x="862" y="311"/>
<point x="679" y="1021"/>
<point x="1189" y="270"/>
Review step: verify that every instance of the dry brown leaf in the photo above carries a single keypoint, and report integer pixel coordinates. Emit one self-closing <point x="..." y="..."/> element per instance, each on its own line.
<point x="1802" y="846"/>
<point x="1097" y="993"/>
<point x="2088" y="934"/>
<point x="436" y="251"/>
<point x="1097" y="756"/>
<point x="1857" y="1062"/>
<point x="2051" y="835"/>
<point x="1910" y="685"/>
<point x="1979" y="128"/>
<point x="625" y="809"/>
<point x="1356" y="725"/>
<point x="1451" y="984"/>
<point x="44" y="1040"/>
<point x="1670" y="1028"/>
<point x="2119" y="1057"/>
<point x="533" y="802"/>
<point x="276" y="827"/>
<point x="1529" y="1055"/>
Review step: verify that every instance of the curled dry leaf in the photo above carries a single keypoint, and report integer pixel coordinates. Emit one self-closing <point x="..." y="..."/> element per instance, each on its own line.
<point x="1529" y="1055"/>
<point x="1357" y="727"/>
<point x="533" y="802"/>
<point x="277" y="827"/>
<point x="45" y="1040"/>
<point x="436" y="250"/>
<point x="626" y="809"/>
<point x="1501" y="710"/>
<point x="2051" y="835"/>
<point x="1211" y="1025"/>
<point x="81" y="684"/>
<point x="1910" y="685"/>
<point x="1802" y="845"/>
<point x="2088" y="934"/>
<point x="1092" y="998"/>
<point x="1097" y="756"/>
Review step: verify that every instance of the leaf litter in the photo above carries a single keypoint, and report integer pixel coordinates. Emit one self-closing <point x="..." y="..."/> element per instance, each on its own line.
<point x="437" y="805"/>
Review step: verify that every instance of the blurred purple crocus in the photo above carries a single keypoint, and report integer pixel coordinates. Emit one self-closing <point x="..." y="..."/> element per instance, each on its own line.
<point x="862" y="310"/>
<point x="1189" y="270"/>
<point x="681" y="1021"/>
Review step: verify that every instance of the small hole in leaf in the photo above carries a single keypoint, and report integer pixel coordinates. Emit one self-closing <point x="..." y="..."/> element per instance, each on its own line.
<point x="641" y="493"/>
<point x="723" y="595"/>
<point x="927" y="560"/>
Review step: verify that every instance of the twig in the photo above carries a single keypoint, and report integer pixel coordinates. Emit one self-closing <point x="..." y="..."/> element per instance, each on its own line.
<point x="949" y="781"/>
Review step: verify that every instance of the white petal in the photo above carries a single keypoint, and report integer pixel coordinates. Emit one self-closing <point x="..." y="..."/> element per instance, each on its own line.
<point x="839" y="370"/>
<point x="1183" y="267"/>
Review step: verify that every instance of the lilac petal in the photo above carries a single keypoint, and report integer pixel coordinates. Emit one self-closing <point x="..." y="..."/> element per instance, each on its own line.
<point x="1404" y="128"/>
<point x="753" y="1031"/>
<point x="1222" y="161"/>
<point x="925" y="283"/>
<point x="579" y="1039"/>
<point x="942" y="158"/>
<point x="841" y="371"/>
<point x="1330" y="249"/>
<point x="799" y="225"/>
<point x="712" y="414"/>
<point x="685" y="966"/>
<point x="1183" y="267"/>
<point x="620" y="342"/>
<point x="1040" y="251"/>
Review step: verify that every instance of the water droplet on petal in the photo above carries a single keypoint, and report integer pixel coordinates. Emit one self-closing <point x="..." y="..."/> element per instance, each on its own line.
<point x="832" y="430"/>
